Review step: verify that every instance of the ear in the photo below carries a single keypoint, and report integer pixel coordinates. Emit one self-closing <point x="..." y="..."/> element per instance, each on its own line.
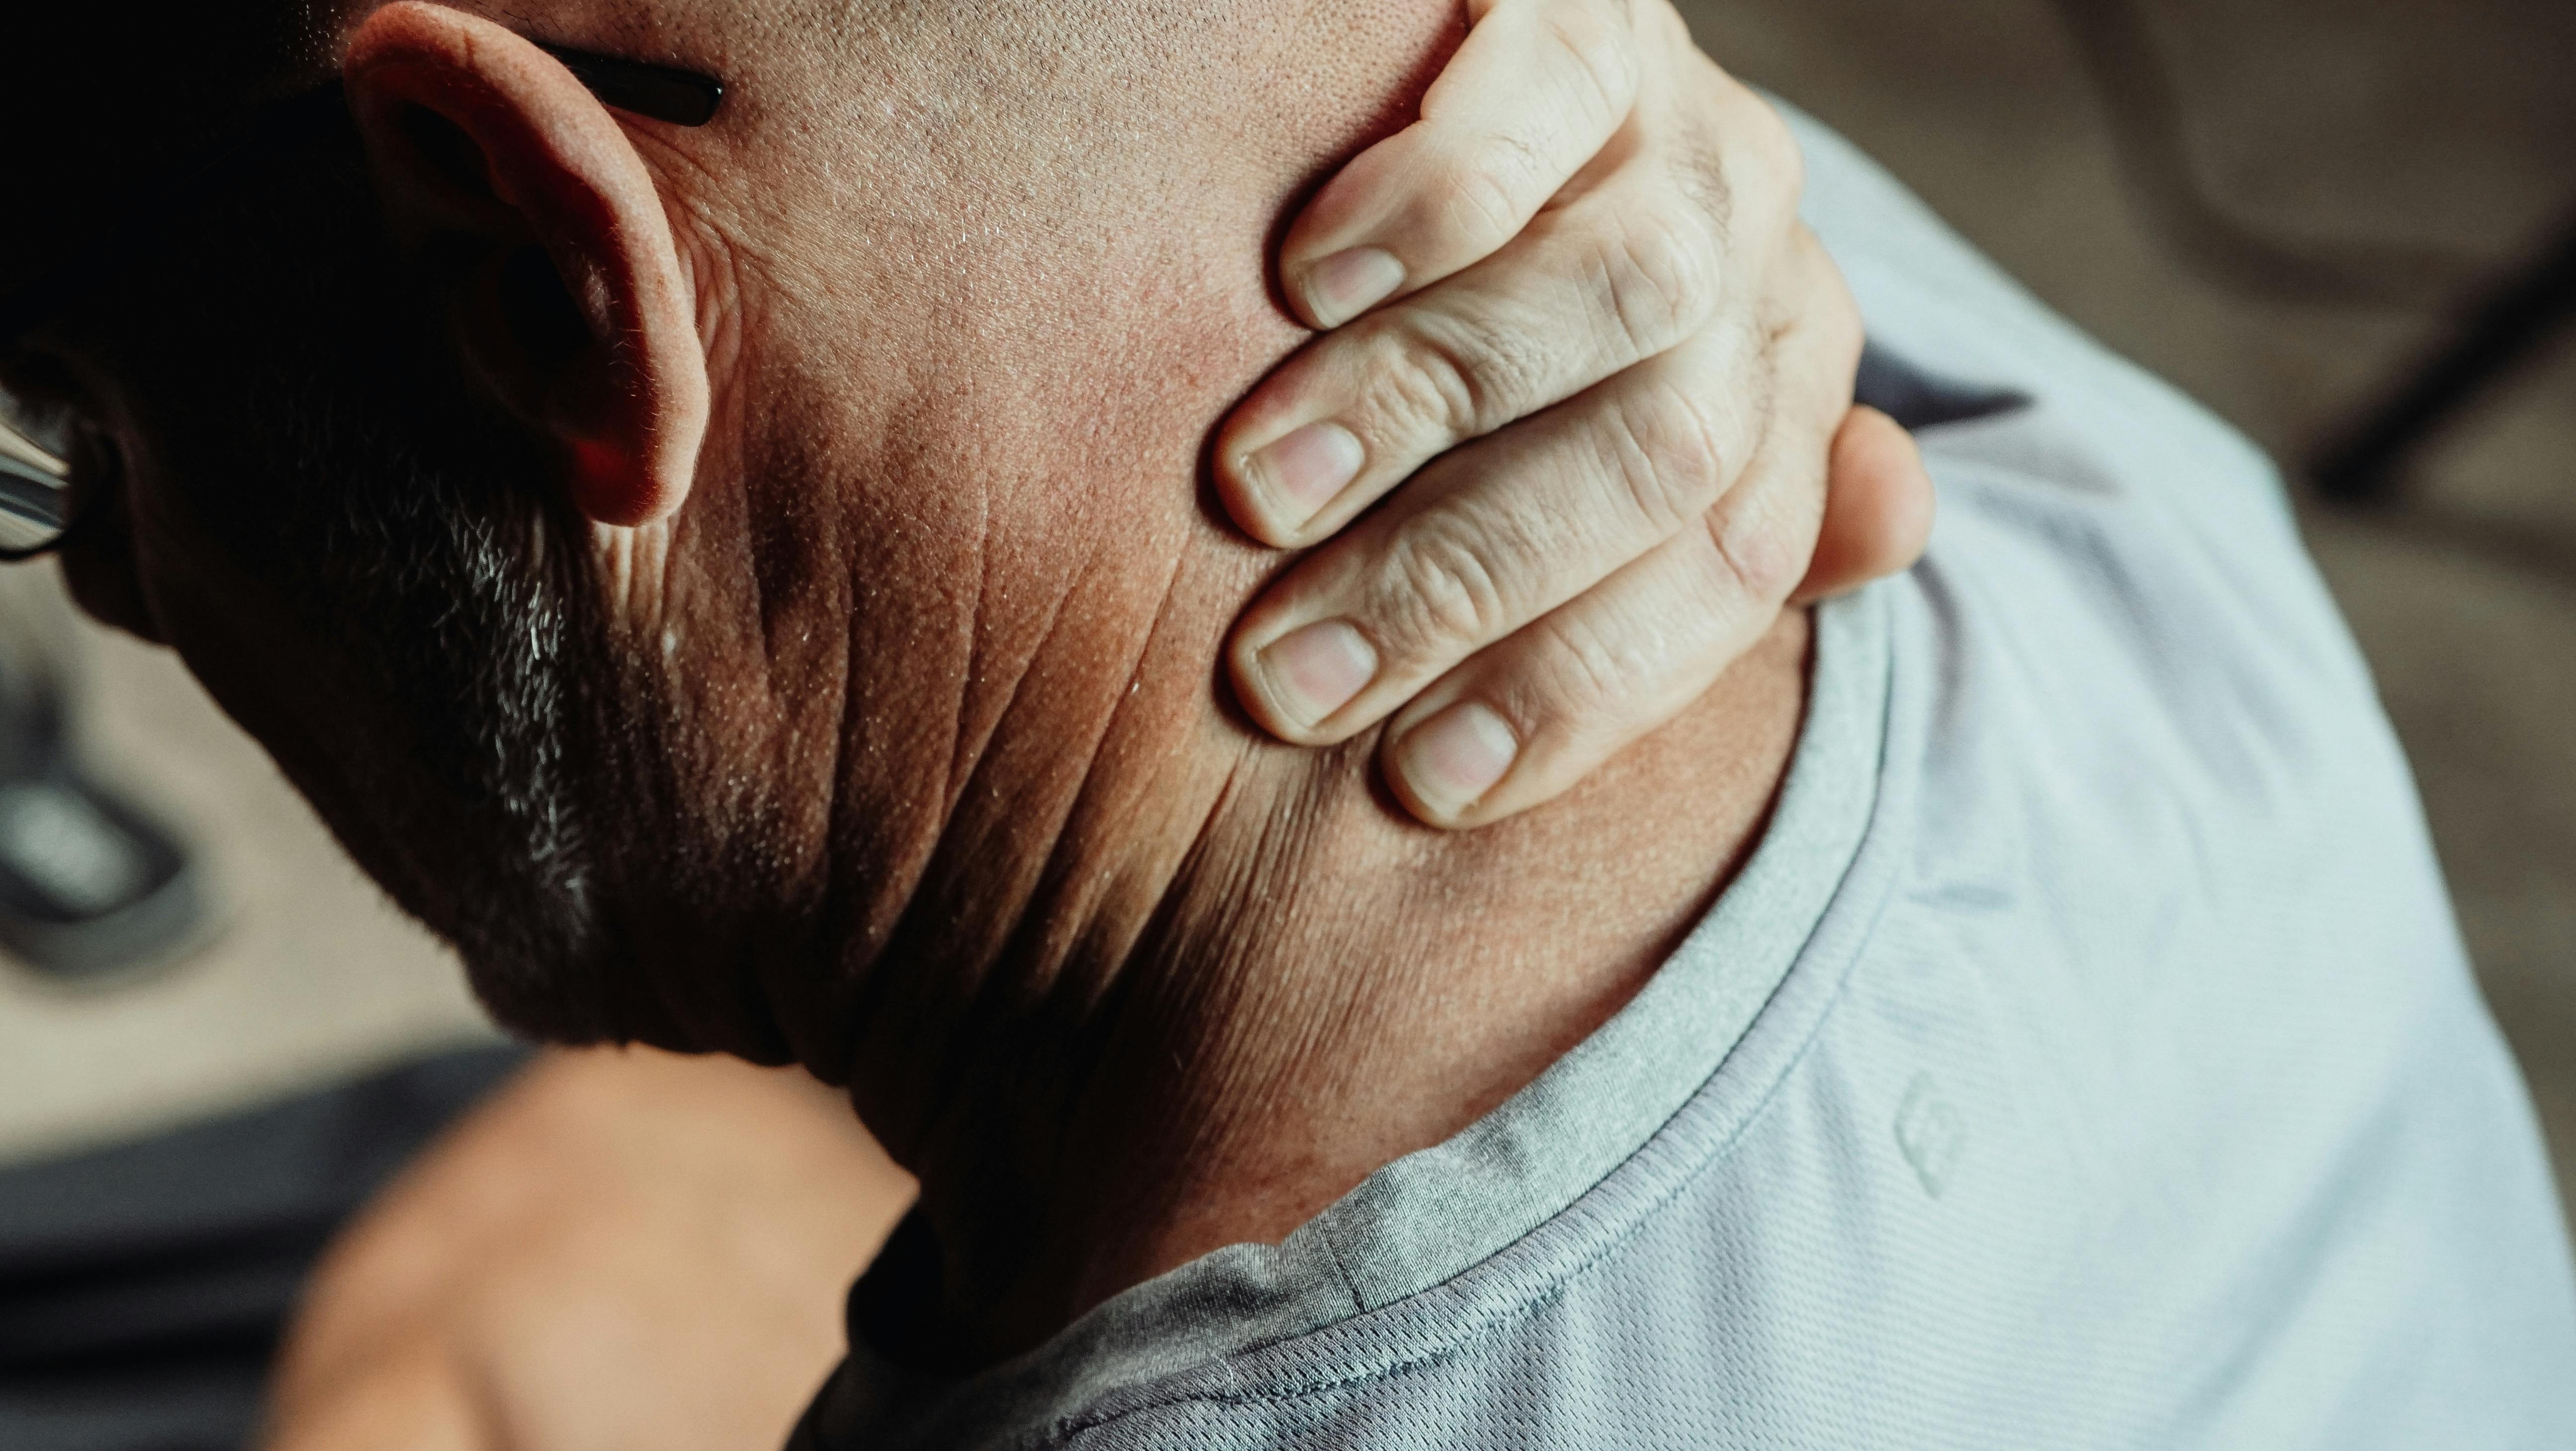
<point x="536" y="224"/>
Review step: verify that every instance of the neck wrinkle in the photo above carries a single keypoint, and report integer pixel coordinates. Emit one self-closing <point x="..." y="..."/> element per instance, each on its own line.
<point x="1057" y="846"/>
<point x="1234" y="984"/>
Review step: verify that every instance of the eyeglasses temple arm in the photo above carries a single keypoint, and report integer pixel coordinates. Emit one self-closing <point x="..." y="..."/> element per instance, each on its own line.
<point x="664" y="93"/>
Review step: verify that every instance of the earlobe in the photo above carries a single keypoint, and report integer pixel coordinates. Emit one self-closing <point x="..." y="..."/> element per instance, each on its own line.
<point x="528" y="213"/>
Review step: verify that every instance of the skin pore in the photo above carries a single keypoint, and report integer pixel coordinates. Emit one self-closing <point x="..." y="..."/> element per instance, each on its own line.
<point x="1136" y="982"/>
<point x="930" y="782"/>
<point x="1132" y="980"/>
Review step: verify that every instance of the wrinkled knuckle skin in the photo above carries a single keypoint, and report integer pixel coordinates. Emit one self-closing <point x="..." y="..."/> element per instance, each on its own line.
<point x="1439" y="596"/>
<point x="1418" y="387"/>
<point x="1601" y="42"/>
<point x="1662" y="278"/>
<point x="1448" y="378"/>
<point x="1476" y="202"/>
<point x="1672" y="457"/>
<point x="1754" y="555"/>
<point x="1588" y="685"/>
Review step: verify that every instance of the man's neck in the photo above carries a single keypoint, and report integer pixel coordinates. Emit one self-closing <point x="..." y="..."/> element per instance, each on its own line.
<point x="1205" y="1032"/>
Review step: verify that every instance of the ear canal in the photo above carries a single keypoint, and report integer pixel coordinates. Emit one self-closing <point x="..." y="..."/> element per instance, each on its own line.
<point x="538" y="309"/>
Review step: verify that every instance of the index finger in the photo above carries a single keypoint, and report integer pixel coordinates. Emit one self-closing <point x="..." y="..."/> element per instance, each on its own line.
<point x="1537" y="90"/>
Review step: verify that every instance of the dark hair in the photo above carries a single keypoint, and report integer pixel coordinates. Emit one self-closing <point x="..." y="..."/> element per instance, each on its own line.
<point x="300" y="395"/>
<point x="98" y="95"/>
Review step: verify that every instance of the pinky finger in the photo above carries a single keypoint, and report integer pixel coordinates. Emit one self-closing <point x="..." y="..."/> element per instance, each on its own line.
<point x="1526" y="718"/>
<point x="1878" y="507"/>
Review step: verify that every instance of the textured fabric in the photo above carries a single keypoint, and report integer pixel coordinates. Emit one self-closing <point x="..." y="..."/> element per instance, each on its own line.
<point x="1428" y="1216"/>
<point x="2121" y="1084"/>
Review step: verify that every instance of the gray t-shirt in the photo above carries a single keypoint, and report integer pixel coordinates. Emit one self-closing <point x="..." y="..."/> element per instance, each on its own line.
<point x="2085" y="1058"/>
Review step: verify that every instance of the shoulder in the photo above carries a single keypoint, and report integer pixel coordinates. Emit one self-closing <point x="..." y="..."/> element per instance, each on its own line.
<point x="2109" y="548"/>
<point x="2107" y="462"/>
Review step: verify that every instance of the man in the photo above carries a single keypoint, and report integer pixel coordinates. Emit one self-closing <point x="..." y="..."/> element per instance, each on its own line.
<point x="2018" y="1008"/>
<point x="1677" y="171"/>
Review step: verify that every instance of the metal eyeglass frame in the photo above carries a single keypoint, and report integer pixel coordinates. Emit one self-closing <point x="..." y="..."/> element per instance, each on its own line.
<point x="34" y="485"/>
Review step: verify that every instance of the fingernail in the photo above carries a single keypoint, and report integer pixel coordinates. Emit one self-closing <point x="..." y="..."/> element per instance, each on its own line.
<point x="1315" y="671"/>
<point x="1346" y="284"/>
<point x="1454" y="758"/>
<point x="1306" y="468"/>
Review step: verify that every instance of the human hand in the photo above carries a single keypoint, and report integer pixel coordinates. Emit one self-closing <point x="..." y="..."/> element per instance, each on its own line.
<point x="1576" y="296"/>
<point x="625" y="1250"/>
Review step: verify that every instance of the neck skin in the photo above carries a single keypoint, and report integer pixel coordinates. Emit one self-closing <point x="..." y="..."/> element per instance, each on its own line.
<point x="1117" y="979"/>
<point x="1241" y="983"/>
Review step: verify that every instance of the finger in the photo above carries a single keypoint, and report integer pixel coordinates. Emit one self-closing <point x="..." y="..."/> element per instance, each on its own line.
<point x="1526" y="102"/>
<point x="1677" y="218"/>
<point x="1508" y="529"/>
<point x="1878" y="507"/>
<point x="1526" y="719"/>
<point x="1624" y="275"/>
<point x="1497" y="534"/>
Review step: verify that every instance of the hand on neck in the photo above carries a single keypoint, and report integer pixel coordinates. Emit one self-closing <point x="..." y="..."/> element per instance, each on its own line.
<point x="1250" y="981"/>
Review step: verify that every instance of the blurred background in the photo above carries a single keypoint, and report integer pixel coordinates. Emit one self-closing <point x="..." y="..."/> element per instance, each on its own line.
<point x="2288" y="208"/>
<point x="2285" y="206"/>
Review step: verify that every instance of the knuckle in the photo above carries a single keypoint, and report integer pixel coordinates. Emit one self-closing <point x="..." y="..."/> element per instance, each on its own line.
<point x="1587" y="681"/>
<point x="1671" y="456"/>
<point x="1745" y="167"/>
<point x="1440" y="589"/>
<point x="1754" y="556"/>
<point x="1701" y="174"/>
<point x="1846" y="338"/>
<point x="1478" y="201"/>
<point x="1661" y="277"/>
<point x="1450" y="376"/>
<point x="1839" y="310"/>
<point x="1700" y="177"/>
<point x="1600" y="46"/>
<point x="1773" y="146"/>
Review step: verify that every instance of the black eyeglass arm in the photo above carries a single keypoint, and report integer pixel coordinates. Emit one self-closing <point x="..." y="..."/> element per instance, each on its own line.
<point x="664" y="93"/>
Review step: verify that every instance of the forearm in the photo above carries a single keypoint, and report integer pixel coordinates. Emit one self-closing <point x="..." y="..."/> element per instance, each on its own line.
<point x="622" y="1244"/>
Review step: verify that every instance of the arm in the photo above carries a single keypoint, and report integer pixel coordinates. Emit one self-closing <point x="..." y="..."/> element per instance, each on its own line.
<point x="624" y="1249"/>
